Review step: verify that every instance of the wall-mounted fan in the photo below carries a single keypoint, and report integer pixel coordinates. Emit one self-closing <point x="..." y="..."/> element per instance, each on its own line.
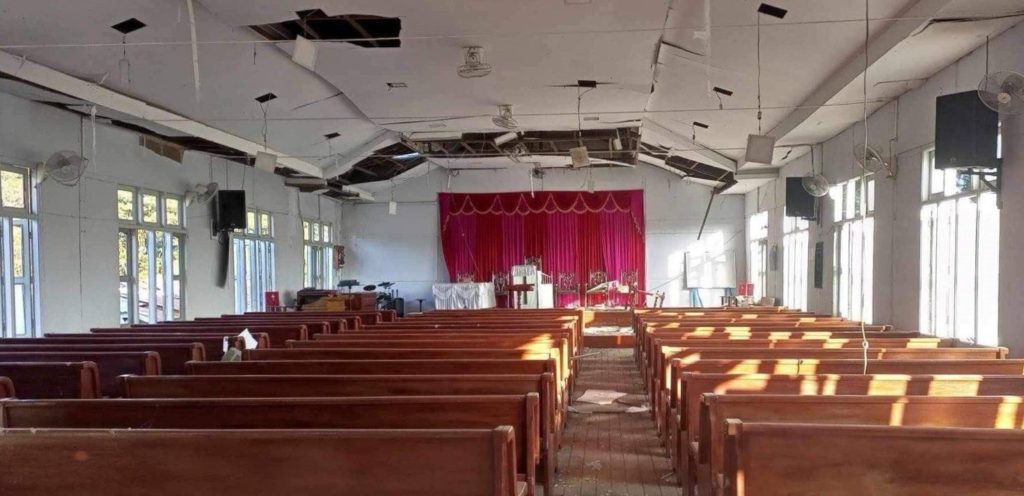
<point x="872" y="161"/>
<point x="815" y="184"/>
<point x="474" y="66"/>
<point x="1003" y="92"/>
<point x="65" y="167"/>
<point x="504" y="118"/>
<point x="201" y="193"/>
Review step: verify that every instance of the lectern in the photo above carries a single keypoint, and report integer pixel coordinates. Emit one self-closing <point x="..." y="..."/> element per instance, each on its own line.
<point x="542" y="295"/>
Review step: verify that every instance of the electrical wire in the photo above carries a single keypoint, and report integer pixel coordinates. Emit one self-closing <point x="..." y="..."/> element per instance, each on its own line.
<point x="864" y="188"/>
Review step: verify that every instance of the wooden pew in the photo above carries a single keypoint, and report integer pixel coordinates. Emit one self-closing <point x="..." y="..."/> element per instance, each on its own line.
<point x="6" y="388"/>
<point x="874" y="460"/>
<point x="110" y="364"/>
<point x="696" y="385"/>
<point x="278" y="334"/>
<point x="460" y="366"/>
<point x="212" y="345"/>
<point x="79" y="380"/>
<point x="172" y="356"/>
<point x="991" y="412"/>
<point x="407" y="412"/>
<point x="453" y="462"/>
<point x="314" y="325"/>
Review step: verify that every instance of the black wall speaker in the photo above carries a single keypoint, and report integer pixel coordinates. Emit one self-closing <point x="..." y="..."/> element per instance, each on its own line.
<point x="229" y="210"/>
<point x="966" y="132"/>
<point x="799" y="203"/>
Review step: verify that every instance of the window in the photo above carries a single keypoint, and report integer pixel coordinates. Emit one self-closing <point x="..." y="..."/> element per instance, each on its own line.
<point x="18" y="271"/>
<point x="318" y="271"/>
<point x="959" y="256"/>
<point x="794" y="250"/>
<point x="254" y="262"/>
<point x="758" y="270"/>
<point x="853" y="208"/>
<point x="150" y="249"/>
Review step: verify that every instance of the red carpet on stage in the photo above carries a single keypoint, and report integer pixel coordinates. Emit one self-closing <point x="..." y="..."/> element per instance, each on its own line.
<point x="571" y="231"/>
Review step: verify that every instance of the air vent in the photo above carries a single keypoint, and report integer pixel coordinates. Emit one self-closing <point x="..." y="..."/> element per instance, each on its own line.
<point x="367" y="31"/>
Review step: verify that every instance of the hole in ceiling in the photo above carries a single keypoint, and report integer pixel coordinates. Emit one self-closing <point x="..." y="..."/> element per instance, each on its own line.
<point x="331" y="136"/>
<point x="264" y="98"/>
<point x="771" y="10"/>
<point x="721" y="91"/>
<point x="129" y="26"/>
<point x="397" y="85"/>
<point x="367" y="31"/>
<point x="700" y="125"/>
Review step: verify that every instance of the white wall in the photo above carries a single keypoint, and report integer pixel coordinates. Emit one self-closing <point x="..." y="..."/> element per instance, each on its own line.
<point x="78" y="225"/>
<point x="898" y="201"/>
<point x="406" y="248"/>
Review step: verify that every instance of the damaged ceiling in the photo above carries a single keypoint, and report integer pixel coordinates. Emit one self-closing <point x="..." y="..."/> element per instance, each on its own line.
<point x="384" y="96"/>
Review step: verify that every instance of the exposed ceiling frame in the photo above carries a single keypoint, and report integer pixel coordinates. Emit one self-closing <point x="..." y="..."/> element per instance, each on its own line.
<point x="345" y="162"/>
<point x="911" y="19"/>
<point x="715" y="158"/>
<point x="60" y="82"/>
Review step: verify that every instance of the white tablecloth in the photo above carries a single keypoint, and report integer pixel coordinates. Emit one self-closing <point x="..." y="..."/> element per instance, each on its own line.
<point x="472" y="295"/>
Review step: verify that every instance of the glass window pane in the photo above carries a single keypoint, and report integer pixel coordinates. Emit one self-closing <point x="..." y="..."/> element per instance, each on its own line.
<point x="17" y="250"/>
<point x="250" y="222"/>
<point x="176" y="256"/>
<point x="150" y="209"/>
<point x="305" y="230"/>
<point x="266" y="229"/>
<point x="172" y="211"/>
<point x="126" y="205"/>
<point x="327" y="234"/>
<point x="316" y="232"/>
<point x="142" y="273"/>
<point x="12" y="189"/>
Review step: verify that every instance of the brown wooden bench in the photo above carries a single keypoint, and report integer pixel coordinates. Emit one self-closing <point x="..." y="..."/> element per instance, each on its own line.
<point x="407" y="412"/>
<point x="6" y="388"/>
<point x="696" y="385"/>
<point x="874" y="460"/>
<point x="110" y="364"/>
<point x="172" y="356"/>
<point x="461" y="366"/>
<point x="381" y="462"/>
<point x="315" y="325"/>
<point x="991" y="412"/>
<point x="277" y="334"/>
<point x="79" y="380"/>
<point x="212" y="345"/>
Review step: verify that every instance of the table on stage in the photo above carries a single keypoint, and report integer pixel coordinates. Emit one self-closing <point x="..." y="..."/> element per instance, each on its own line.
<point x="464" y="295"/>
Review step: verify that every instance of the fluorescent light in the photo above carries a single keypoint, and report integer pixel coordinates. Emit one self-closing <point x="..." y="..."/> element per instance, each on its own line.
<point x="505" y="138"/>
<point x="406" y="156"/>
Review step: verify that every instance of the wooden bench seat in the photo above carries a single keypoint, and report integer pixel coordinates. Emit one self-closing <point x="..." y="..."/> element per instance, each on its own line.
<point x="6" y="388"/>
<point x="278" y="335"/>
<point x="315" y="325"/>
<point x="874" y="460"/>
<point x="991" y="412"/>
<point x="54" y="380"/>
<point x="173" y="356"/>
<point x="696" y="385"/>
<point x="414" y="412"/>
<point x="213" y="346"/>
<point x="382" y="462"/>
<point x="111" y="364"/>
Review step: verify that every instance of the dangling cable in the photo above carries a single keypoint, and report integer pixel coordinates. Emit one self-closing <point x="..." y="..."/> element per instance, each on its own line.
<point x="864" y="190"/>
<point x="759" y="73"/>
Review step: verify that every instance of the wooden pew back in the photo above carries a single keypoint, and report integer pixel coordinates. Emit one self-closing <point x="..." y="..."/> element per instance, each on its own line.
<point x="110" y="364"/>
<point x="6" y="388"/>
<point x="54" y="380"/>
<point x="173" y="356"/>
<point x="463" y="462"/>
<point x="896" y="460"/>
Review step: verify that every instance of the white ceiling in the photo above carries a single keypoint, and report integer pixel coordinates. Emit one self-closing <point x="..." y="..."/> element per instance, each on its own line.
<point x="532" y="44"/>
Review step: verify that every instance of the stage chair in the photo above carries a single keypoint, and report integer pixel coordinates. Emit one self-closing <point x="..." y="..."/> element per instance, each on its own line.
<point x="568" y="285"/>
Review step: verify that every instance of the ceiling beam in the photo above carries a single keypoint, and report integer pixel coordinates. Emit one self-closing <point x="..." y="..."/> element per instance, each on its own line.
<point x="716" y="159"/>
<point x="914" y="17"/>
<point x="345" y="162"/>
<point x="58" y="81"/>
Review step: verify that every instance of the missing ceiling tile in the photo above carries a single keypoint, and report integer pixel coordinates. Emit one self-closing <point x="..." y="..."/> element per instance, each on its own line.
<point x="331" y="136"/>
<point x="266" y="97"/>
<point x="722" y="91"/>
<point x="700" y="125"/>
<point x="368" y="31"/>
<point x="397" y="85"/>
<point x="129" y="26"/>
<point x="771" y="10"/>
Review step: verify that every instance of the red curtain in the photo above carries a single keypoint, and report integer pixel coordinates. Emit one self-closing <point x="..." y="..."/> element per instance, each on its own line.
<point x="571" y="231"/>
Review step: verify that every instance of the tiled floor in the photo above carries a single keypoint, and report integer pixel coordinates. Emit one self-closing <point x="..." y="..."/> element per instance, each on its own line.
<point x="612" y="454"/>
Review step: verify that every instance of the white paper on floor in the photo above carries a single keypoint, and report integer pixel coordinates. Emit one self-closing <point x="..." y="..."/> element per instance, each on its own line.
<point x="638" y="409"/>
<point x="600" y="396"/>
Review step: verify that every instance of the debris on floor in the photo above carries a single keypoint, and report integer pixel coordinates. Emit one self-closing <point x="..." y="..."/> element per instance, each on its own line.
<point x="600" y="396"/>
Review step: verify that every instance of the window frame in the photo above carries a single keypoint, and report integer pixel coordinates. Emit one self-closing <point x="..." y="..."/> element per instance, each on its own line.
<point x="318" y="267"/>
<point x="853" y="213"/>
<point x="254" y="261"/>
<point x="758" y="253"/>
<point x="796" y="259"/>
<point x="169" y="235"/>
<point x="27" y="219"/>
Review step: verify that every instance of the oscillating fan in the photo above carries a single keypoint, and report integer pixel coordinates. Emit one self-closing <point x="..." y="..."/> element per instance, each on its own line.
<point x="504" y="118"/>
<point x="870" y="160"/>
<point x="1003" y="92"/>
<point x="474" y="66"/>
<point x="815" y="184"/>
<point x="201" y="193"/>
<point x="65" y="167"/>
